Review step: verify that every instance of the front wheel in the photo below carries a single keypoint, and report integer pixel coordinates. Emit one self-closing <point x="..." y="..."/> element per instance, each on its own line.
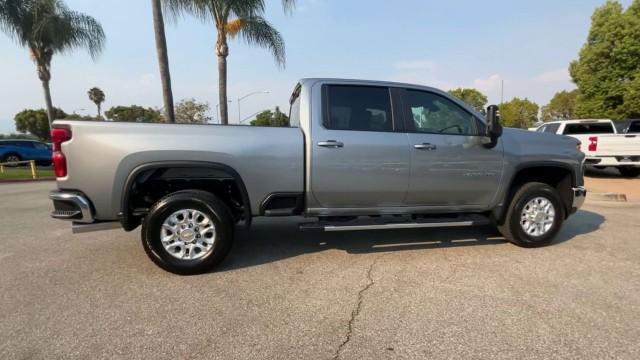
<point x="188" y="232"/>
<point x="535" y="216"/>
<point x="628" y="171"/>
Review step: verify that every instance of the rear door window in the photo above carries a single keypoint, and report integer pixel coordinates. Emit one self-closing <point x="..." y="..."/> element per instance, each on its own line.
<point x="360" y="108"/>
<point x="588" y="128"/>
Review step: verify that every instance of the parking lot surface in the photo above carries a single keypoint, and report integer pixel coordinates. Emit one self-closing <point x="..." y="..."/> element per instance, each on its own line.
<point x="283" y="294"/>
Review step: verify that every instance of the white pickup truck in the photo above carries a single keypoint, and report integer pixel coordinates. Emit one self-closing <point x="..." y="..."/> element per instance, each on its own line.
<point x="601" y="143"/>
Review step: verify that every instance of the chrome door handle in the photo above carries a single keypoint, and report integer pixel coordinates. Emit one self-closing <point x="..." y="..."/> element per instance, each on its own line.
<point x="424" y="146"/>
<point x="331" y="144"/>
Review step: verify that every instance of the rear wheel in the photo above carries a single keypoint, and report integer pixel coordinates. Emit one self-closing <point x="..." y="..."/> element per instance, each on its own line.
<point x="9" y="158"/>
<point x="535" y="216"/>
<point x="188" y="232"/>
<point x="628" y="171"/>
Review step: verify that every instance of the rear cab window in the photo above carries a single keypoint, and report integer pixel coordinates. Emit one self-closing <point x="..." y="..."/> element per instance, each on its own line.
<point x="294" y="110"/>
<point x="589" y="128"/>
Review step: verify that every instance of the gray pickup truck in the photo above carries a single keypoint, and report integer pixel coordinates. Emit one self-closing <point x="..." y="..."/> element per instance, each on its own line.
<point x="358" y="155"/>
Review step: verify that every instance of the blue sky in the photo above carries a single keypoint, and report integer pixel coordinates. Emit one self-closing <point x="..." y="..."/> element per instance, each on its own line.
<point x="445" y="44"/>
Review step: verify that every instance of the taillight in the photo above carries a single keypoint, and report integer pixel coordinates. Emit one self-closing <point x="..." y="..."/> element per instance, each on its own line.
<point x="59" y="161"/>
<point x="593" y="143"/>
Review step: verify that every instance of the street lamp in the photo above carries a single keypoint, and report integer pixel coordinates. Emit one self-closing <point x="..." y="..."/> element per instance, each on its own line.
<point x="246" y="96"/>
<point x="218" y="110"/>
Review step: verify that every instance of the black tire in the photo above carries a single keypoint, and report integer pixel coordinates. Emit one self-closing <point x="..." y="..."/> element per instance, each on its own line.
<point x="11" y="157"/>
<point x="513" y="230"/>
<point x="628" y="171"/>
<point x="202" y="201"/>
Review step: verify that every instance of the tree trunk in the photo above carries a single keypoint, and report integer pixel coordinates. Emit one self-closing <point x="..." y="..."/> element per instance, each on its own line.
<point x="99" y="106"/>
<point x="222" y="50"/>
<point x="44" y="74"/>
<point x="163" y="60"/>
<point x="222" y="89"/>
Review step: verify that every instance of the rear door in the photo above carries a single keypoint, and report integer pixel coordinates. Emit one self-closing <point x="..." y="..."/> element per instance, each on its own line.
<point x="358" y="158"/>
<point x="449" y="164"/>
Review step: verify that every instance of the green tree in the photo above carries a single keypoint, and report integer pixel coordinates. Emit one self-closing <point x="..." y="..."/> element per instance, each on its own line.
<point x="96" y="95"/>
<point x="48" y="27"/>
<point x="608" y="67"/>
<point x="271" y="118"/>
<point x="134" y="113"/>
<point x="472" y="97"/>
<point x="234" y="18"/>
<point x="519" y="113"/>
<point x="163" y="59"/>
<point x="561" y="107"/>
<point x="36" y="123"/>
<point x="190" y="111"/>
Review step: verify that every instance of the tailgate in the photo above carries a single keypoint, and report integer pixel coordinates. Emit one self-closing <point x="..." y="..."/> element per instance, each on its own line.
<point x="613" y="145"/>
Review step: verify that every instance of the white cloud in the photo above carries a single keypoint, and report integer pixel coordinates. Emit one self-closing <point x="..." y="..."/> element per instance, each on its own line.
<point x="489" y="84"/>
<point x="553" y="76"/>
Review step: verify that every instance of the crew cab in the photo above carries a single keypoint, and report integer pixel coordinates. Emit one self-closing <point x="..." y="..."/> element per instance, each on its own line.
<point x="358" y="155"/>
<point x="602" y="144"/>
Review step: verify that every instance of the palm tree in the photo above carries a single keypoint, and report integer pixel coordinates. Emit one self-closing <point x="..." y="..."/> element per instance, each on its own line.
<point x="96" y="95"/>
<point x="48" y="27"/>
<point x="233" y="18"/>
<point x="163" y="60"/>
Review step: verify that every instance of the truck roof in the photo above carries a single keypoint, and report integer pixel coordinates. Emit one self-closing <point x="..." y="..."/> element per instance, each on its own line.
<point x="307" y="81"/>
<point x="578" y="121"/>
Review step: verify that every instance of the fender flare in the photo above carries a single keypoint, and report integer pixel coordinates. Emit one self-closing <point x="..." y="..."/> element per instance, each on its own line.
<point x="124" y="216"/>
<point x="499" y="211"/>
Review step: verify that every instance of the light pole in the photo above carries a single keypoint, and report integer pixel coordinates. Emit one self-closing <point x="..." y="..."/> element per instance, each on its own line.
<point x="246" y="96"/>
<point x="218" y="110"/>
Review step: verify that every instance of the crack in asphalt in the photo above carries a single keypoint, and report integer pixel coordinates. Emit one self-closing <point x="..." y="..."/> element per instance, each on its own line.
<point x="355" y="312"/>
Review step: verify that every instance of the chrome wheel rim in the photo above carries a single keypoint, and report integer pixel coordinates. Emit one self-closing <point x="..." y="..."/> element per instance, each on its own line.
<point x="537" y="216"/>
<point x="12" y="158"/>
<point x="188" y="234"/>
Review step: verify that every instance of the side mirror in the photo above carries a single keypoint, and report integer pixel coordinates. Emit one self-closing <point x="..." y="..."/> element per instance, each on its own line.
<point x="494" y="128"/>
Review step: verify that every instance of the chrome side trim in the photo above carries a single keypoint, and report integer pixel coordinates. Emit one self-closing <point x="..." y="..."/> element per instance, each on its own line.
<point x="78" y="200"/>
<point x="397" y="226"/>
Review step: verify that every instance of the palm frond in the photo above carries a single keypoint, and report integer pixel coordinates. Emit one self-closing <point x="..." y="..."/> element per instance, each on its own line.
<point x="49" y="26"/>
<point x="258" y="31"/>
<point x="288" y="6"/>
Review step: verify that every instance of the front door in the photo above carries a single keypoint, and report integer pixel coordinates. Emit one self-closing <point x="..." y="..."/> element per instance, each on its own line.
<point x="449" y="164"/>
<point x="358" y="161"/>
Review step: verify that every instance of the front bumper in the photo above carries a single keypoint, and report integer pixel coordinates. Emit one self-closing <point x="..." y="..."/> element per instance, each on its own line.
<point x="72" y="206"/>
<point x="579" y="195"/>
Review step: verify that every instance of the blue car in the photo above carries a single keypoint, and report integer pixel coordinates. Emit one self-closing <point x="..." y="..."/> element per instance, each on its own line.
<point x="21" y="150"/>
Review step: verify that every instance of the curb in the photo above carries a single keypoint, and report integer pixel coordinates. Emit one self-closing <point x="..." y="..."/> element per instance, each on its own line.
<point x="26" y="180"/>
<point x="607" y="197"/>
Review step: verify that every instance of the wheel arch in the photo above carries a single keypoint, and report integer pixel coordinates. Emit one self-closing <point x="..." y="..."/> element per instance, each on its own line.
<point x="219" y="171"/>
<point x="561" y="176"/>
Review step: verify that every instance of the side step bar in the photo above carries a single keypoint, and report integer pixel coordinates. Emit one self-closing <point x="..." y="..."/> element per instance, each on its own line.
<point x="383" y="224"/>
<point x="78" y="228"/>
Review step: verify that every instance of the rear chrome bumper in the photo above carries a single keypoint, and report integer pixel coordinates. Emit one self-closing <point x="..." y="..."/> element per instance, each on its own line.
<point x="579" y="195"/>
<point x="72" y="206"/>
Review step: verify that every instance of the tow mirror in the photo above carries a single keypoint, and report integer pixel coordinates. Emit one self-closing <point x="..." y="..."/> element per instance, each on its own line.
<point x="494" y="128"/>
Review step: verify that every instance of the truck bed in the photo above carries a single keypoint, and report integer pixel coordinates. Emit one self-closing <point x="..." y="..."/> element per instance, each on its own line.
<point x="101" y="155"/>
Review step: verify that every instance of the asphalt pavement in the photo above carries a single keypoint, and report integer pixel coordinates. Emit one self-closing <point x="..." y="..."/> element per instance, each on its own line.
<point x="284" y="294"/>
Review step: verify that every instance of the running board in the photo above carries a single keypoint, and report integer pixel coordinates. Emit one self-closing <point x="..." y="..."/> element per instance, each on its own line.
<point x="383" y="224"/>
<point x="79" y="228"/>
